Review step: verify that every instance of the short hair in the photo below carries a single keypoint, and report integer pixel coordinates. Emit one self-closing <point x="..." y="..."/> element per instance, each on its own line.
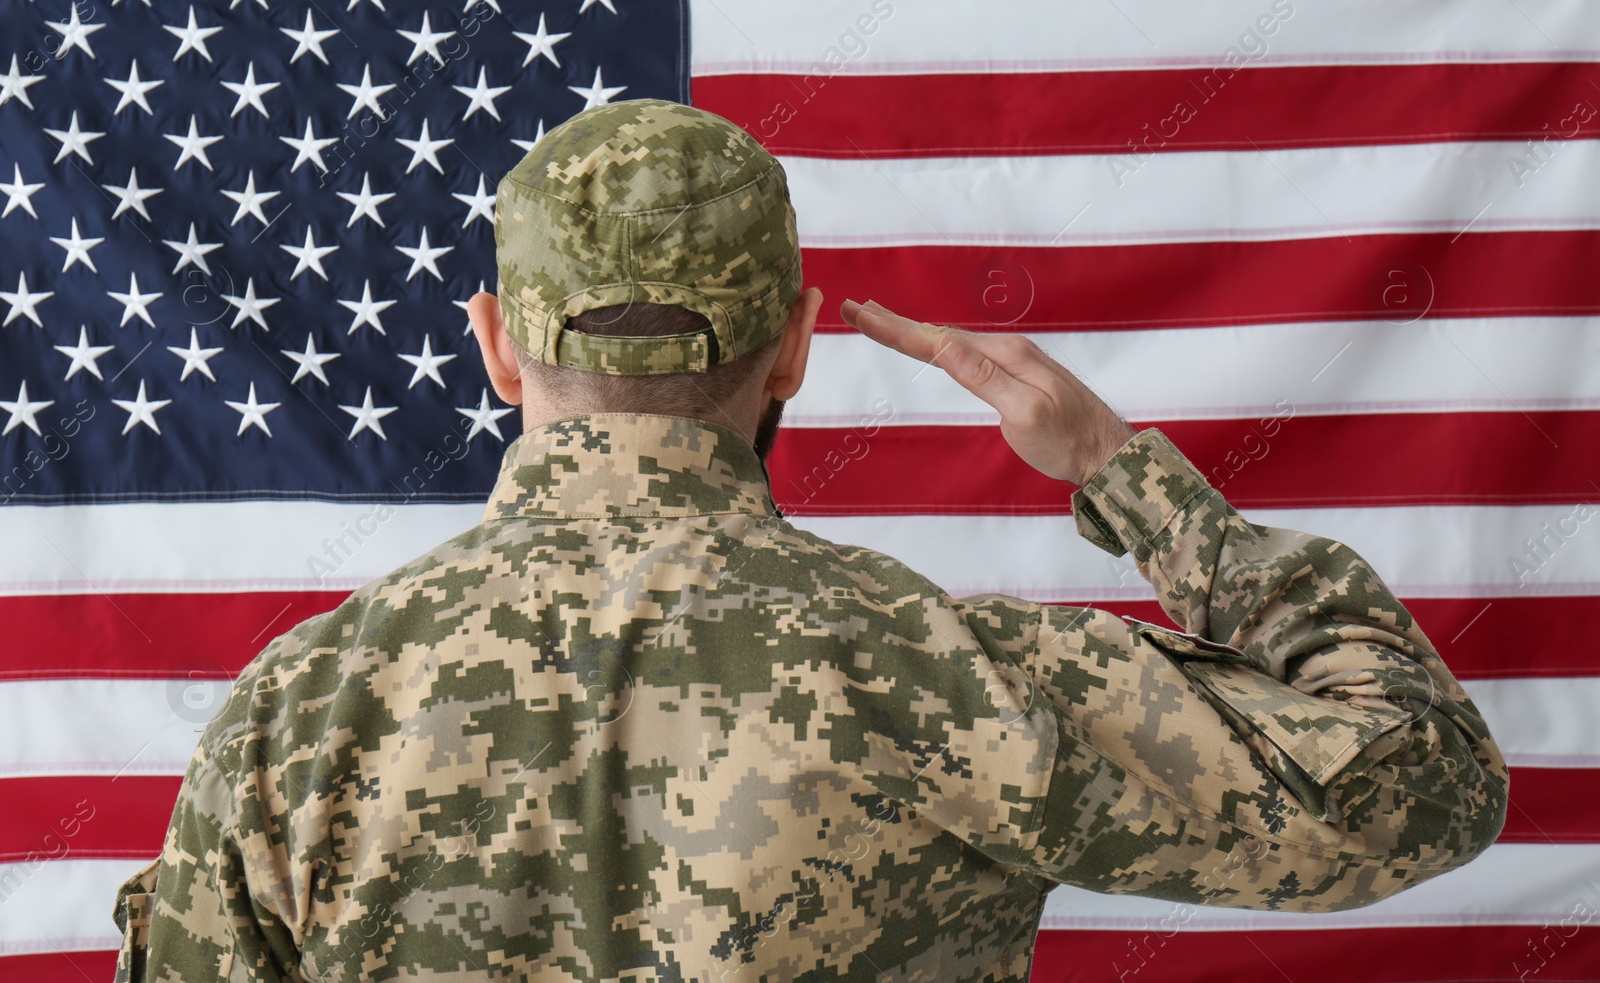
<point x="697" y="394"/>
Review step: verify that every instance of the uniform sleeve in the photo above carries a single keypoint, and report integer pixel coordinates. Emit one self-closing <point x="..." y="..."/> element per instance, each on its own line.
<point x="1299" y="747"/>
<point x="190" y="915"/>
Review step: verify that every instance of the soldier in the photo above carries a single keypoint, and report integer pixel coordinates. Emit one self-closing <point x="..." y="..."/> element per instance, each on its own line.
<point x="635" y="725"/>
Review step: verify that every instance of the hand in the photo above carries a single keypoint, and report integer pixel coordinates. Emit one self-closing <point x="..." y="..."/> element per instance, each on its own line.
<point x="1051" y="419"/>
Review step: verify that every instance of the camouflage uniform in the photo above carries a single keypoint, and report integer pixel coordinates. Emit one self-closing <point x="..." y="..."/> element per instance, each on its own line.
<point x="637" y="726"/>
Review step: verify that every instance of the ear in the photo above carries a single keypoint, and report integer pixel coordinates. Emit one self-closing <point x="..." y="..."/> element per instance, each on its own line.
<point x="499" y="355"/>
<point x="789" y="370"/>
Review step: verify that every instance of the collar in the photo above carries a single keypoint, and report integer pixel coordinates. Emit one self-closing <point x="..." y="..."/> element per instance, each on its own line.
<point x="629" y="464"/>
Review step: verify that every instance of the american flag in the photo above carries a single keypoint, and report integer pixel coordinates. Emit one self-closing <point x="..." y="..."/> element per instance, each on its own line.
<point x="1342" y="254"/>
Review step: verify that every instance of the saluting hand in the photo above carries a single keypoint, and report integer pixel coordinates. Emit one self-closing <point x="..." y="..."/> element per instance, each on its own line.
<point x="1050" y="418"/>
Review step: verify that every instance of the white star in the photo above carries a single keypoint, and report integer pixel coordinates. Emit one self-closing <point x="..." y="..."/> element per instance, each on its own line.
<point x="366" y="94"/>
<point x="74" y="140"/>
<point x="366" y="309"/>
<point x="482" y="96"/>
<point x="308" y="147"/>
<point x="249" y="92"/>
<point x="542" y="43"/>
<point x="18" y="193"/>
<point x="193" y="37"/>
<point x="194" y="251"/>
<point x="133" y="90"/>
<point x="310" y="361"/>
<point x="308" y="39"/>
<point x="132" y="196"/>
<point x="250" y="201"/>
<point x="422" y="257"/>
<point x="232" y="5"/>
<point x="141" y="410"/>
<point x="23" y="412"/>
<point x="467" y="328"/>
<point x="367" y="416"/>
<point x="366" y="203"/>
<point x="308" y="256"/>
<point x="84" y="355"/>
<point x="193" y="145"/>
<point x="426" y="364"/>
<point x="23" y="302"/>
<point x="590" y="3"/>
<point x="477" y="204"/>
<point x="77" y="248"/>
<point x="74" y="34"/>
<point x="255" y="414"/>
<point x="597" y="94"/>
<point x="13" y="83"/>
<point x="194" y="357"/>
<point x="424" y="149"/>
<point x="375" y="3"/>
<point x="425" y="40"/>
<point x="473" y="3"/>
<point x="527" y="145"/>
<point x="483" y="418"/>
<point x="133" y="302"/>
<point x="250" y="306"/>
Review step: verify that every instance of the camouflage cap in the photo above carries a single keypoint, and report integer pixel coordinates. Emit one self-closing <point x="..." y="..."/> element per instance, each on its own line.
<point x="646" y="201"/>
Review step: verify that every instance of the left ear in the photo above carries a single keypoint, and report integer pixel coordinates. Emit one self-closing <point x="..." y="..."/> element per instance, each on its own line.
<point x="499" y="354"/>
<point x="789" y="370"/>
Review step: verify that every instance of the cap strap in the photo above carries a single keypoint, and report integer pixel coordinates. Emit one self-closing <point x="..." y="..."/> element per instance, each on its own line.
<point x="692" y="351"/>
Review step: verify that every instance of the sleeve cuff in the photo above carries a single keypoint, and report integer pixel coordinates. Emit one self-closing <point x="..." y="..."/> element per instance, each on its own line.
<point x="1126" y="504"/>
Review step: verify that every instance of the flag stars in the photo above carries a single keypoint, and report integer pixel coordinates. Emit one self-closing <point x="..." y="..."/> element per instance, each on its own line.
<point x="309" y="39"/>
<point x="424" y="149"/>
<point x="590" y="3"/>
<point x="310" y="361"/>
<point x="84" y="355"/>
<point x="466" y="329"/>
<point x="423" y="257"/>
<point x="426" y="364"/>
<point x="365" y="203"/>
<point x="74" y="140"/>
<point x="250" y="92"/>
<point x="134" y="303"/>
<point x="527" y="145"/>
<point x="368" y="416"/>
<point x="77" y="248"/>
<point x="132" y="196"/>
<point x="141" y="410"/>
<point x="253" y="414"/>
<point x="192" y="145"/>
<point x="23" y="411"/>
<point x="191" y="37"/>
<point x="366" y="95"/>
<point x="481" y="203"/>
<point x="482" y="95"/>
<point x="308" y="256"/>
<point x="194" y="357"/>
<point x="193" y="252"/>
<point x="598" y="94"/>
<point x="24" y="303"/>
<point x="309" y="147"/>
<point x="484" y="417"/>
<point x="250" y="306"/>
<point x="14" y="85"/>
<point x="19" y="193"/>
<point x="366" y="311"/>
<point x="542" y="43"/>
<point x="425" y="41"/>
<point x="250" y="201"/>
<point x="74" y="34"/>
<point x="133" y="90"/>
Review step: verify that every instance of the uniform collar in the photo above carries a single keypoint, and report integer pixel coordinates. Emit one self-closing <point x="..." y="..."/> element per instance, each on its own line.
<point x="629" y="464"/>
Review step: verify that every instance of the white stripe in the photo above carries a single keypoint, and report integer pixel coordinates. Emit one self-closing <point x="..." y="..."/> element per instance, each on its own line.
<point x="1509" y="884"/>
<point x="736" y="36"/>
<point x="151" y="726"/>
<point x="1239" y="371"/>
<point x="1193" y="196"/>
<point x="1421" y="551"/>
<point x="65" y="905"/>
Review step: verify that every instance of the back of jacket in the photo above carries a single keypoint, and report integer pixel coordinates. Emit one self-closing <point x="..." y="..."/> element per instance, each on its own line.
<point x="635" y="725"/>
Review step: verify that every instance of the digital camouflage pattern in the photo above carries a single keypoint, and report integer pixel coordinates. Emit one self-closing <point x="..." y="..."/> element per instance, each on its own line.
<point x="637" y="726"/>
<point x="646" y="201"/>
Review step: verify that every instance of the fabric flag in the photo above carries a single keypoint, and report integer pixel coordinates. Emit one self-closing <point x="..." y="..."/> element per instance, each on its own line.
<point x="1342" y="255"/>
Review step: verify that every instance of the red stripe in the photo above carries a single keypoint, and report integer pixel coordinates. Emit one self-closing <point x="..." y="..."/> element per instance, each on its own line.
<point x="1165" y="953"/>
<point x="1284" y="460"/>
<point x="1396" y="278"/>
<point x="61" y="967"/>
<point x="1154" y="110"/>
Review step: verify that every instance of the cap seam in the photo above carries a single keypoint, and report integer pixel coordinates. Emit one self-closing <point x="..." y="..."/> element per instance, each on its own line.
<point x="645" y="211"/>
